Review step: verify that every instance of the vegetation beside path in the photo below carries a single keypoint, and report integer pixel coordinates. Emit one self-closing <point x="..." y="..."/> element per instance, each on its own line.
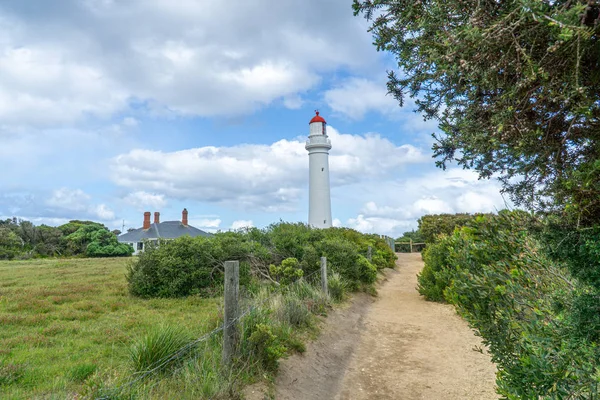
<point x="95" y="328"/>
<point x="537" y="310"/>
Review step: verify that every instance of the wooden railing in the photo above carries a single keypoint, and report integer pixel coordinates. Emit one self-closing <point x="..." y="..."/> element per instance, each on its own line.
<point x="411" y="244"/>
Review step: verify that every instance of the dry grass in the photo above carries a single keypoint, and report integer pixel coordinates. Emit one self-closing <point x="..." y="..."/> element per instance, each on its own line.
<point x="65" y="322"/>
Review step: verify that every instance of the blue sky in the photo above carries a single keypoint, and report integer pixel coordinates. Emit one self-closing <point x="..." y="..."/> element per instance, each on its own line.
<point x="111" y="108"/>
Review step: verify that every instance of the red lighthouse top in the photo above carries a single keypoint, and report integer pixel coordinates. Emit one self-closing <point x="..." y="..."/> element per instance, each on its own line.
<point x="317" y="118"/>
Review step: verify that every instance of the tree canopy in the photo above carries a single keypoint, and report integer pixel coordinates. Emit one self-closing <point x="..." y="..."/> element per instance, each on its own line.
<point x="22" y="239"/>
<point x="514" y="85"/>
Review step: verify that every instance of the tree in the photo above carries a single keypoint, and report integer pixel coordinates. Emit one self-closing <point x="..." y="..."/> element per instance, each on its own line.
<point x="10" y="243"/>
<point x="514" y="84"/>
<point x="95" y="240"/>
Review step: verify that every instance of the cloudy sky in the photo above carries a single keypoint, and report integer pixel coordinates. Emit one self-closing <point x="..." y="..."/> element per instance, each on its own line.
<point x="109" y="108"/>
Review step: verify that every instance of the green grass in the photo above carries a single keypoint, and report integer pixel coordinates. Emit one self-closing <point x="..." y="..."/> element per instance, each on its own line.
<point x="67" y="323"/>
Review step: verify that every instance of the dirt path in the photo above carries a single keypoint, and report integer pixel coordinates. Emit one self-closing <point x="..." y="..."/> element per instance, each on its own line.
<point x="395" y="347"/>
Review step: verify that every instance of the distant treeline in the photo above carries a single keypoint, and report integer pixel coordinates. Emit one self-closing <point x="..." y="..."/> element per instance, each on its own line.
<point x="20" y="239"/>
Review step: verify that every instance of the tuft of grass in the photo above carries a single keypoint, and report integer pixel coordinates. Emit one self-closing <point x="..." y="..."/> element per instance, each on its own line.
<point x="337" y="287"/>
<point x="294" y="311"/>
<point x="160" y="343"/>
<point x="81" y="372"/>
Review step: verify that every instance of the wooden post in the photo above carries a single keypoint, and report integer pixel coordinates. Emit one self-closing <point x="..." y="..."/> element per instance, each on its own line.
<point x="411" y="245"/>
<point x="370" y="253"/>
<point x="324" y="275"/>
<point x="230" y="325"/>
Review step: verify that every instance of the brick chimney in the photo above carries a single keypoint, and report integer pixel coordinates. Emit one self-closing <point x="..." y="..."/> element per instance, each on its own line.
<point x="156" y="217"/>
<point x="184" y="215"/>
<point x="146" y="220"/>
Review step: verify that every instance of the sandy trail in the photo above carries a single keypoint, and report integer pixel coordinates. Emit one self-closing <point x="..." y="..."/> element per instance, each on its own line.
<point x="396" y="346"/>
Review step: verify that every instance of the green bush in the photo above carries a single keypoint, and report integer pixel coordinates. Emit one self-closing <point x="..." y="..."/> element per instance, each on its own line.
<point x="10" y="244"/>
<point x="434" y="277"/>
<point x="432" y="226"/>
<point x="284" y="252"/>
<point x="288" y="272"/>
<point x="534" y="317"/>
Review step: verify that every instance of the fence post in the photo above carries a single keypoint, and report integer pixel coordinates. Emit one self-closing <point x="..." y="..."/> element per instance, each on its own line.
<point x="370" y="253"/>
<point x="324" y="275"/>
<point x="230" y="325"/>
<point x="411" y="246"/>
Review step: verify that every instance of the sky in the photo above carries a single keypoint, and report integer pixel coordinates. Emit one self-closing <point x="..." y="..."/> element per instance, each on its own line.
<point x="109" y="108"/>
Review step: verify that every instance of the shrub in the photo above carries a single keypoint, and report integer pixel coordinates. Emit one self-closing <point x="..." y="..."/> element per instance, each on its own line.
<point x="288" y="272"/>
<point x="524" y="306"/>
<point x="434" y="225"/>
<point x="156" y="347"/>
<point x="283" y="252"/>
<point x="434" y="277"/>
<point x="265" y="346"/>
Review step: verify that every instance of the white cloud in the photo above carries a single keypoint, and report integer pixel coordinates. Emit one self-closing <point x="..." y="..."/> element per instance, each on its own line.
<point x="206" y="224"/>
<point x="143" y="200"/>
<point x="431" y="205"/>
<point x="65" y="198"/>
<point x="293" y="102"/>
<point x="67" y="61"/>
<point x="396" y="206"/>
<point x="379" y="225"/>
<point x="241" y="223"/>
<point x="357" y="96"/>
<point x="57" y="207"/>
<point x="103" y="212"/>
<point x="267" y="177"/>
<point x="130" y="121"/>
<point x="76" y="201"/>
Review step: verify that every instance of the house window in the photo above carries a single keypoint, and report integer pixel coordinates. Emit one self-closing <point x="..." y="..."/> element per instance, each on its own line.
<point x="140" y="246"/>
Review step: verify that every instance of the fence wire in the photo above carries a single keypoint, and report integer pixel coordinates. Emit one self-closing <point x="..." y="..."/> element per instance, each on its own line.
<point x="160" y="364"/>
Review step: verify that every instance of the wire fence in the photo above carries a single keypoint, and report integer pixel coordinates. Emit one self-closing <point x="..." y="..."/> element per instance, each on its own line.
<point x="162" y="363"/>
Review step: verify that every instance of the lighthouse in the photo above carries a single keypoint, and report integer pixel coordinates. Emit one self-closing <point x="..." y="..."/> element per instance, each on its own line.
<point x="318" y="146"/>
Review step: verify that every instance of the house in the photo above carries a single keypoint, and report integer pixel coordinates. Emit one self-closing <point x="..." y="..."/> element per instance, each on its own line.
<point x="151" y="232"/>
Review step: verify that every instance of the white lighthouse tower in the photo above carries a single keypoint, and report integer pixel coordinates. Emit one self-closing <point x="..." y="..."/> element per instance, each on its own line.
<point x="318" y="146"/>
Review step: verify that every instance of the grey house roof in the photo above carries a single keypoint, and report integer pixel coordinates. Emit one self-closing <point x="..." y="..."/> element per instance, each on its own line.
<point x="163" y="230"/>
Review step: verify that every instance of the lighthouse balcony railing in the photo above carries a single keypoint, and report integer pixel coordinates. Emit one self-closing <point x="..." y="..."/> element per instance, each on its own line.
<point x="318" y="140"/>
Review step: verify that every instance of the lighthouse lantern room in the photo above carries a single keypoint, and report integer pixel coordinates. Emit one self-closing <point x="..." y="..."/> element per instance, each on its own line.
<point x="318" y="146"/>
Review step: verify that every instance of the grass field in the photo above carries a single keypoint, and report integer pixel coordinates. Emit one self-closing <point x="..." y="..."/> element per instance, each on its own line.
<point x="64" y="321"/>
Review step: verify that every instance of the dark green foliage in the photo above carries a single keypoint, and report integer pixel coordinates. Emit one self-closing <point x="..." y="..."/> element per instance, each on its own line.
<point x="413" y="235"/>
<point x="281" y="253"/>
<point x="10" y="244"/>
<point x="514" y="85"/>
<point x="434" y="225"/>
<point x="289" y="271"/>
<point x="433" y="278"/>
<point x="258" y="342"/>
<point x="176" y="268"/>
<point x="22" y="239"/>
<point x="540" y="324"/>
